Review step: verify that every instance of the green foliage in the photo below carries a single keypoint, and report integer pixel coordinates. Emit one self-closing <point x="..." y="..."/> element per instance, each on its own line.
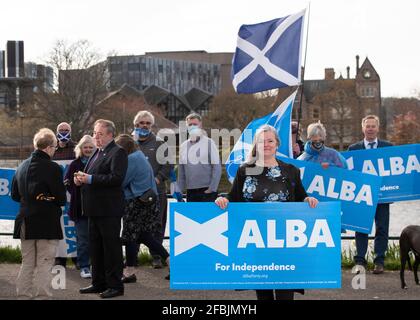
<point x="392" y="258"/>
<point x="10" y="255"/>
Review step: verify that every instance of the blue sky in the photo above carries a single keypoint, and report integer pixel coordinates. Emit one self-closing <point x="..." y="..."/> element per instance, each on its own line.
<point x="385" y="31"/>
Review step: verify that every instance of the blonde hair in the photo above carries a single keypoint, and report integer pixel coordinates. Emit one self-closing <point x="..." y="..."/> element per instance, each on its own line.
<point x="370" y="116"/>
<point x="44" y="138"/>
<point x="316" y="129"/>
<point x="78" y="148"/>
<point x="252" y="156"/>
<point x="144" y="114"/>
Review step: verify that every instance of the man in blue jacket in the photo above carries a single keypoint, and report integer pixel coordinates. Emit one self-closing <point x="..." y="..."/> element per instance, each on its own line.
<point x="370" y="128"/>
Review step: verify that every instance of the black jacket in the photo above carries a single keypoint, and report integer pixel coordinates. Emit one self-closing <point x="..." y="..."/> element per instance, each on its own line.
<point x="35" y="176"/>
<point x="361" y="145"/>
<point x="105" y="196"/>
<point x="161" y="170"/>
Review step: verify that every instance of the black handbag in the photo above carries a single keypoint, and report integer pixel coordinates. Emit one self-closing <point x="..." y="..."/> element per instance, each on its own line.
<point x="149" y="197"/>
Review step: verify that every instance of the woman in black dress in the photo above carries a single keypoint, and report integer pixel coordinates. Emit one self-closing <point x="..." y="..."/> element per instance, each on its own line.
<point x="263" y="178"/>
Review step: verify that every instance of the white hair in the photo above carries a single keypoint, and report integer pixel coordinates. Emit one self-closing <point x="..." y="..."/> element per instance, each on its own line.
<point x="78" y="148"/>
<point x="144" y="114"/>
<point x="316" y="129"/>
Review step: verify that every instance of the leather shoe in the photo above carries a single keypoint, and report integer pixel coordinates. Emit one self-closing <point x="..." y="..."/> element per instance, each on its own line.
<point x="91" y="289"/>
<point x="111" y="293"/>
<point x="130" y="279"/>
<point x="378" y="269"/>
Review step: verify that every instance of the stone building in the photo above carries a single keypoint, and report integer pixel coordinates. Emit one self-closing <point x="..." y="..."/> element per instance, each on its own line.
<point x="340" y="103"/>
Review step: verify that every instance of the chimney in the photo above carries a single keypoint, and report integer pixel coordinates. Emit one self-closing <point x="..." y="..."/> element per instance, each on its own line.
<point x="348" y="72"/>
<point x="357" y="64"/>
<point x="329" y="74"/>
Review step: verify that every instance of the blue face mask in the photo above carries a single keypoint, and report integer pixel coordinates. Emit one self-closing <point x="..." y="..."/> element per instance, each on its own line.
<point x="194" y="130"/>
<point x="64" y="137"/>
<point x="140" y="133"/>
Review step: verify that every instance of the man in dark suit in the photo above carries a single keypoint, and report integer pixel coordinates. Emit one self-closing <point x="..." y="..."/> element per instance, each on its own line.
<point x="103" y="203"/>
<point x="370" y="128"/>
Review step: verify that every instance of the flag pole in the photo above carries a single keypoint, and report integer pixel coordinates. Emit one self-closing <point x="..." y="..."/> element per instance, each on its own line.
<point x="303" y="74"/>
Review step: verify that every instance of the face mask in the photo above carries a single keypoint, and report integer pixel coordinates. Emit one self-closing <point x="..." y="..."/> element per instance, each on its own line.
<point x="63" y="137"/>
<point x="194" y="130"/>
<point x="318" y="145"/>
<point x="140" y="133"/>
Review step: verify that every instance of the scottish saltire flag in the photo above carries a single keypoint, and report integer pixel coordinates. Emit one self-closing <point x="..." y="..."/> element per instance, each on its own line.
<point x="279" y="119"/>
<point x="268" y="54"/>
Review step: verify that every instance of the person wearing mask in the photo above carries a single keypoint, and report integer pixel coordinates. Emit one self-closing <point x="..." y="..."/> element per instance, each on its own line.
<point x="150" y="144"/>
<point x="83" y="150"/>
<point x="141" y="207"/>
<point x="38" y="187"/>
<point x="199" y="169"/>
<point x="370" y="128"/>
<point x="263" y="178"/>
<point x="65" y="148"/>
<point x="316" y="151"/>
<point x="65" y="151"/>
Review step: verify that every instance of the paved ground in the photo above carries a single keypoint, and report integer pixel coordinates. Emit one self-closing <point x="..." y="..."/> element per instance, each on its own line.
<point x="151" y="285"/>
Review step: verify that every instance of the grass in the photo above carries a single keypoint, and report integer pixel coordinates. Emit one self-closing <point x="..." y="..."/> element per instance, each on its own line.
<point x="392" y="257"/>
<point x="13" y="255"/>
<point x="10" y="255"/>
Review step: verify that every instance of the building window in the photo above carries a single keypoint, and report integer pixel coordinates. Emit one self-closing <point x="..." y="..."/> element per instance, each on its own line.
<point x="134" y="67"/>
<point x="143" y="66"/>
<point x="116" y="67"/>
<point x="368" y="92"/>
<point x="160" y="68"/>
<point x="315" y="114"/>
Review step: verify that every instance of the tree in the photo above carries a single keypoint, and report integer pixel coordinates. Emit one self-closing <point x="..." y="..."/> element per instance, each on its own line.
<point x="406" y="129"/>
<point x="340" y="111"/>
<point x="80" y="81"/>
<point x="230" y="110"/>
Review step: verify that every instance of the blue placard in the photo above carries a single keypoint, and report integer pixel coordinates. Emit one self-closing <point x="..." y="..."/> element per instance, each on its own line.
<point x="255" y="246"/>
<point x="398" y="166"/>
<point x="358" y="192"/>
<point x="8" y="208"/>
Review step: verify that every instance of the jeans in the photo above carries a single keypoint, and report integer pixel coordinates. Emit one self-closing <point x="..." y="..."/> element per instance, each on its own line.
<point x="82" y="232"/>
<point x="198" y="195"/>
<point x="381" y="237"/>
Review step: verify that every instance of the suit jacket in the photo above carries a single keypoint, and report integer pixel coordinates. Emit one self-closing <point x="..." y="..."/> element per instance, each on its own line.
<point x="35" y="176"/>
<point x="361" y="145"/>
<point x="105" y="196"/>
